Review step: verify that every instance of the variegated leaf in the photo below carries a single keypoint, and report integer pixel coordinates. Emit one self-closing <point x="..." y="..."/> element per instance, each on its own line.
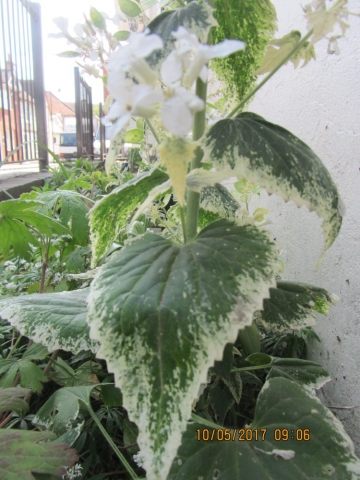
<point x="56" y="320"/>
<point x="294" y="305"/>
<point x="111" y="213"/>
<point x="272" y="157"/>
<point x="218" y="199"/>
<point x="292" y="436"/>
<point x="195" y="17"/>
<point x="163" y="314"/>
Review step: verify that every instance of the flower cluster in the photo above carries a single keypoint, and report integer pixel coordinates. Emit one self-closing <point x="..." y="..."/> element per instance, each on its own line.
<point x="139" y="89"/>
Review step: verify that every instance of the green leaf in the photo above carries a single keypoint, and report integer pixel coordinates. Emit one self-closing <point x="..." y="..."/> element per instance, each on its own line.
<point x="72" y="209"/>
<point x="64" y="375"/>
<point x="56" y="320"/>
<point x="294" y="305"/>
<point x="111" y="213"/>
<point x="69" y="54"/>
<point x="31" y="376"/>
<point x="16" y="216"/>
<point x="12" y="399"/>
<point x="218" y="199"/>
<point x="97" y="19"/>
<point x="35" y="352"/>
<point x="111" y="396"/>
<point x="134" y="136"/>
<point x="121" y="35"/>
<point x="198" y="19"/>
<point x="24" y="452"/>
<point x="309" y="374"/>
<point x="131" y="9"/>
<point x="163" y="313"/>
<point x="272" y="157"/>
<point x="62" y="407"/>
<point x="221" y="400"/>
<point x="75" y="261"/>
<point x="255" y="24"/>
<point x="285" y="406"/>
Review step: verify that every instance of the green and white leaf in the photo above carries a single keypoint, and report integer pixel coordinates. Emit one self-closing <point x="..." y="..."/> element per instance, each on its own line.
<point x="12" y="399"/>
<point x="282" y="404"/>
<point x="112" y="212"/>
<point x="62" y="407"/>
<point x="218" y="199"/>
<point x="56" y="320"/>
<point x="114" y="149"/>
<point x="196" y="18"/>
<point x="272" y="157"/>
<point x="163" y="313"/>
<point x="294" y="305"/>
<point x="309" y="374"/>
<point x="24" y="453"/>
<point x="253" y="22"/>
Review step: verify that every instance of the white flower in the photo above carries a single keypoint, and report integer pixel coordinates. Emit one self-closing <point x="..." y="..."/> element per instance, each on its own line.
<point x="179" y="60"/>
<point x="130" y="100"/>
<point x="62" y="24"/>
<point x="131" y="58"/>
<point x="176" y="110"/>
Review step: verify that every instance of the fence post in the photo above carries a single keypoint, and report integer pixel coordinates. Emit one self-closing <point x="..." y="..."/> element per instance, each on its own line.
<point x="39" y="84"/>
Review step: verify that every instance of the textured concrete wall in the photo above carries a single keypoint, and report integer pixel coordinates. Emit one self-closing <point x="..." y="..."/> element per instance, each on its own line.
<point x="321" y="105"/>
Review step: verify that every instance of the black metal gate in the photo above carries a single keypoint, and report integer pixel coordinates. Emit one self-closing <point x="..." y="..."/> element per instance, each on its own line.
<point x="84" y="117"/>
<point x="22" y="93"/>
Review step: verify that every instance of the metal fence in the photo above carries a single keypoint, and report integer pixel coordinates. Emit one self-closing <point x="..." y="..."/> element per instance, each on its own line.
<point x="84" y="117"/>
<point x="22" y="93"/>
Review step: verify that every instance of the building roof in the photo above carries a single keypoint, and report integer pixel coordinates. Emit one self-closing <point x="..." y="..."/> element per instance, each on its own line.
<point x="56" y="106"/>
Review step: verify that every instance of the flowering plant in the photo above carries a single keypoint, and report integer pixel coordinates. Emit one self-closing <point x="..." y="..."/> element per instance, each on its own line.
<point x="161" y="310"/>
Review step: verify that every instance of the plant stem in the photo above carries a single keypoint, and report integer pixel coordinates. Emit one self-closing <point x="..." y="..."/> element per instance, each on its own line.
<point x="52" y="358"/>
<point x="193" y="198"/>
<point x="183" y="223"/>
<point x="45" y="257"/>
<point x="111" y="443"/>
<point x="288" y="56"/>
<point x="14" y="346"/>
<point x="254" y="367"/>
<point x="203" y="421"/>
<point x="150" y="125"/>
<point x="6" y="420"/>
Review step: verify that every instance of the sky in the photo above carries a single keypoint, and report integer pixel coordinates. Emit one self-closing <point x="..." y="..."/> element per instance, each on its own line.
<point x="59" y="72"/>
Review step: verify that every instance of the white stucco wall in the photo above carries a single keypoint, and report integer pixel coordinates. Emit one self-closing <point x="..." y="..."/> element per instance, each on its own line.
<point x="321" y="105"/>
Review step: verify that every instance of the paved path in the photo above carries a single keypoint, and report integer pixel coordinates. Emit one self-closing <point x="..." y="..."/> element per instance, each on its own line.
<point x="16" y="178"/>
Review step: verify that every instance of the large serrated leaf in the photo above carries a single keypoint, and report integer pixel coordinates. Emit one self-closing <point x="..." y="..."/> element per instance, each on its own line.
<point x="111" y="213"/>
<point x="285" y="406"/>
<point x="272" y="157"/>
<point x="56" y="320"/>
<point x="294" y="305"/>
<point x="198" y="19"/>
<point x="163" y="313"/>
<point x="25" y="452"/>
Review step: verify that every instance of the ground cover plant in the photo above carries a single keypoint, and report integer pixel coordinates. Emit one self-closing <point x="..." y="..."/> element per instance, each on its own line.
<point x="173" y="336"/>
